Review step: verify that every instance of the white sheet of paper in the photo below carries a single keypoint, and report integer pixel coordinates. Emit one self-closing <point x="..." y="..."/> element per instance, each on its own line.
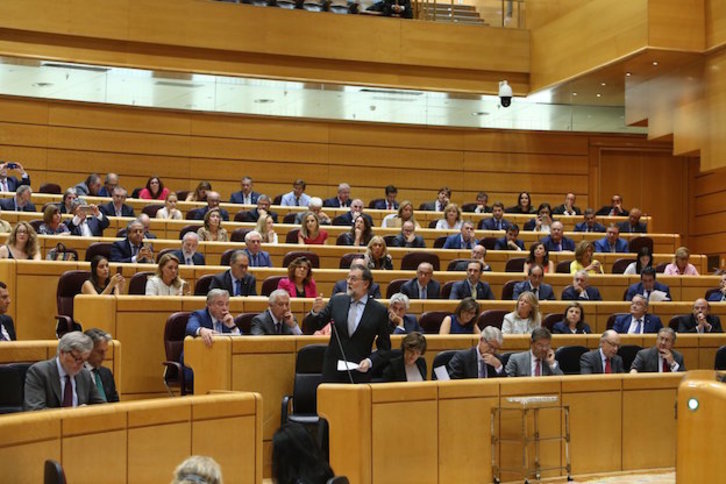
<point x="441" y="373"/>
<point x="657" y="296"/>
<point x="351" y="366"/>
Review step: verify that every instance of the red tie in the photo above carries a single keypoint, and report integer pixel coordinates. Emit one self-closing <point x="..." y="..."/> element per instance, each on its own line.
<point x="68" y="393"/>
<point x="537" y="369"/>
<point x="608" y="368"/>
<point x="666" y="367"/>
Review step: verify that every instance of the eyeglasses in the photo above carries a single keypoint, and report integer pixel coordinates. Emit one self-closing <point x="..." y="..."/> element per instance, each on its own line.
<point x="77" y="357"/>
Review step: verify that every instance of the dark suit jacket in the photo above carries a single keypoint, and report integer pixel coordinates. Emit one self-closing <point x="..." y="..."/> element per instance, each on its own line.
<point x="7" y="323"/>
<point x="605" y="210"/>
<point x="224" y="281"/>
<point x="97" y="226"/>
<point x="715" y="297"/>
<point x="463" y="265"/>
<point x="381" y="205"/>
<point x="109" y="385"/>
<point x="400" y="241"/>
<point x="342" y="286"/>
<point x="567" y="244"/>
<point x="333" y="202"/>
<point x="464" y="364"/>
<point x="602" y="245"/>
<point x="545" y="291"/>
<point x="561" y="328"/>
<point x="460" y="290"/>
<point x="396" y="369"/>
<point x="199" y="213"/>
<point x="626" y="228"/>
<point x="253" y="215"/>
<point x="197" y="258"/>
<point x="262" y="324"/>
<point x="43" y="389"/>
<point x="502" y="244"/>
<point x="14" y="183"/>
<point x="687" y="323"/>
<point x="373" y="326"/>
<point x="560" y="209"/>
<point x="410" y="289"/>
<point x="582" y="227"/>
<point x="637" y="288"/>
<point x="647" y="360"/>
<point x="569" y="294"/>
<point x="531" y="224"/>
<point x="489" y="224"/>
<point x="263" y="259"/>
<point x="237" y="197"/>
<point x="429" y="206"/>
<point x="652" y="323"/>
<point x="590" y="362"/>
<point x="347" y="219"/>
<point x="456" y="241"/>
<point x="8" y="204"/>
<point x="202" y="319"/>
<point x="520" y="364"/>
<point x="410" y="324"/>
<point x="109" y="211"/>
<point x="121" y="251"/>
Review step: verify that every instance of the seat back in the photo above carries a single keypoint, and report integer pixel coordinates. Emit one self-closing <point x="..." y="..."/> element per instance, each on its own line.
<point x="98" y="248"/>
<point x="563" y="267"/>
<point x="446" y="289"/>
<point x="673" y="323"/>
<point x="340" y="221"/>
<point x="469" y="207"/>
<point x="388" y="239"/>
<point x="238" y="235"/>
<point x="53" y="188"/>
<point x="639" y="242"/>
<point x="394" y="286"/>
<point x="277" y="200"/>
<point x="137" y="284"/>
<point x="289" y="218"/>
<point x="174" y="332"/>
<point x="311" y="256"/>
<point x="36" y="224"/>
<point x="226" y="256"/>
<point x="291" y="237"/>
<point x="182" y="194"/>
<point x="611" y="320"/>
<point x="452" y="265"/>
<point x="12" y="382"/>
<point x="492" y="317"/>
<point x="168" y="250"/>
<point x="188" y="228"/>
<point x="551" y="319"/>
<point x="270" y="284"/>
<point x="515" y="264"/>
<point x="53" y="473"/>
<point x="441" y="359"/>
<point x="308" y="375"/>
<point x="508" y="290"/>
<point x="410" y="261"/>
<point x="195" y="214"/>
<point x="439" y="242"/>
<point x="621" y="264"/>
<point x="711" y="291"/>
<point x="244" y="322"/>
<point x="627" y="353"/>
<point x="488" y="242"/>
<point x="569" y="358"/>
<point x="432" y="224"/>
<point x="201" y="288"/>
<point x="431" y="321"/>
<point x="151" y="210"/>
<point x="69" y="284"/>
<point x="720" y="360"/>
<point x="340" y="240"/>
<point x="660" y="268"/>
<point x="347" y="259"/>
<point x="372" y="203"/>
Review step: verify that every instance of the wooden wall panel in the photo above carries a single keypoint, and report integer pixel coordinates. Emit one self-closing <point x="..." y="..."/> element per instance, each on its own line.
<point x="715" y="23"/>
<point x="677" y="24"/>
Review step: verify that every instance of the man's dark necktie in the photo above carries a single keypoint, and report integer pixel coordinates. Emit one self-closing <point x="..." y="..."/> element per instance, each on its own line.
<point x="238" y="287"/>
<point x="68" y="393"/>
<point x="666" y="367"/>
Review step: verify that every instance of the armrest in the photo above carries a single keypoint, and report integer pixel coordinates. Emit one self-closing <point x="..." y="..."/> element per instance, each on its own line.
<point x="285" y="408"/>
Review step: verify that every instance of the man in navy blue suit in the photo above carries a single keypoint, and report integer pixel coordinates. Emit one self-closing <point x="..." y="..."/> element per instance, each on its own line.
<point x="638" y="321"/>
<point x="388" y="203"/>
<point x="342" y="200"/>
<point x="213" y="199"/>
<point x="581" y="290"/>
<point x="510" y="241"/>
<point x="245" y="196"/>
<point x="188" y="254"/>
<point x="117" y="207"/>
<point x="497" y="222"/>
<point x="589" y="224"/>
<point x="719" y="296"/>
<point x="534" y="285"/>
<point x="7" y="327"/>
<point x="612" y="241"/>
<point x="463" y="240"/>
<point x="10" y="183"/>
<point x="87" y="221"/>
<point x="132" y="249"/>
<point x="647" y="286"/>
<point x="472" y="285"/>
<point x="422" y="286"/>
<point x="214" y="319"/>
<point x="398" y="321"/>
<point x="257" y="257"/>
<point x="556" y="241"/>
<point x="20" y="202"/>
<point x="263" y="207"/>
<point x="633" y="224"/>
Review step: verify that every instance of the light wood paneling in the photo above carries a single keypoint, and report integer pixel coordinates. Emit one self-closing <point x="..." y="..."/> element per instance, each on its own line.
<point x="677" y="24"/>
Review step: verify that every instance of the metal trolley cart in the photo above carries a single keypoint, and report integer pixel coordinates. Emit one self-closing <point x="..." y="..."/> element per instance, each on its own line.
<point x="524" y="406"/>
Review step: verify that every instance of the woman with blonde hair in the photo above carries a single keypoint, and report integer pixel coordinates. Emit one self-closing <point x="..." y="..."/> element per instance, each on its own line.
<point x="169" y="211"/>
<point x="22" y="243"/>
<point x="404" y="214"/>
<point x="198" y="469"/>
<point x="166" y="281"/>
<point x="452" y="218"/>
<point x="376" y="256"/>
<point x="212" y="230"/>
<point x="310" y="232"/>
<point x="200" y="193"/>
<point x="583" y="259"/>
<point x="266" y="228"/>
<point x="525" y="316"/>
<point x="680" y="265"/>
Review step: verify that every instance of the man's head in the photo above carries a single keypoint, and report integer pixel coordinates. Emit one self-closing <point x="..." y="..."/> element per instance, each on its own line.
<point x="497" y="210"/>
<point x="343" y="192"/>
<point x="190" y="242"/>
<point x="100" y="340"/>
<point x="213" y="199"/>
<point x="391" y="193"/>
<point x="581" y="278"/>
<point x="93" y="182"/>
<point x="512" y="233"/>
<point x="666" y="339"/>
<point x="145" y="221"/>
<point x="616" y="201"/>
<point x="253" y="239"/>
<point x="408" y="228"/>
<point x="218" y="303"/>
<point x="110" y="182"/>
<point x="700" y="306"/>
<point x="647" y="277"/>
<point x="535" y="275"/>
<point x="482" y="198"/>
<point x="722" y="282"/>
<point x="610" y="343"/>
<point x="399" y="304"/>
<point x="74" y="348"/>
<point x="279" y="303"/>
<point x="315" y="205"/>
<point x="541" y="342"/>
<point x="556" y="230"/>
<point x="359" y="280"/>
<point x="119" y="195"/>
<point x="478" y="252"/>
<point x="569" y="199"/>
<point x="444" y="195"/>
<point x="135" y="232"/>
<point x="356" y="206"/>
<point x="298" y="188"/>
<point x="467" y="231"/>
<point x="263" y="203"/>
<point x="22" y="194"/>
<point x="4" y="298"/>
<point x="612" y="234"/>
<point x="246" y="185"/>
<point x="634" y="216"/>
<point x="490" y="341"/>
<point x="473" y="271"/>
<point x="589" y="217"/>
<point x="638" y="306"/>
<point x="238" y="264"/>
<point x="424" y="273"/>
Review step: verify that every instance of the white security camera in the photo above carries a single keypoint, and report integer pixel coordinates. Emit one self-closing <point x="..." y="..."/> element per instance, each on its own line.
<point x="505" y="94"/>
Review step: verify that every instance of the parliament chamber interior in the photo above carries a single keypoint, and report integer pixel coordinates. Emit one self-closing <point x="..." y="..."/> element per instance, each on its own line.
<point x="454" y="242"/>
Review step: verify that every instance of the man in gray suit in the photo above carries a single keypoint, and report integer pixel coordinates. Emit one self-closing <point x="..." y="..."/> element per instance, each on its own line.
<point x="538" y="361"/>
<point x="62" y="381"/>
<point x="605" y="359"/>
<point x="277" y="319"/>
<point x="661" y="358"/>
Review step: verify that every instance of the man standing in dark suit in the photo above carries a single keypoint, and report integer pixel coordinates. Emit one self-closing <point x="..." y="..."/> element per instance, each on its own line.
<point x="277" y="319"/>
<point x="132" y="249"/>
<point x="388" y="203"/>
<point x="567" y="208"/>
<point x="20" y="202"/>
<point x="480" y="361"/>
<point x="699" y="321"/>
<point x="408" y="237"/>
<point x="118" y="207"/>
<point x="589" y="224"/>
<point x="538" y="361"/>
<point x="246" y="196"/>
<point x="214" y="319"/>
<point x="422" y="286"/>
<point x="10" y="183"/>
<point x="472" y="286"/>
<point x="638" y="321"/>
<point x="534" y="285"/>
<point x="556" y="240"/>
<point x="497" y="222"/>
<point x="87" y="221"/>
<point x="661" y="358"/>
<point x="102" y="376"/>
<point x="442" y="200"/>
<point x="236" y="281"/>
<point x="605" y="359"/>
<point x="581" y="290"/>
<point x="510" y="241"/>
<point x="7" y="327"/>
<point x="358" y="321"/>
<point x="188" y="254"/>
<point x="342" y="200"/>
<point x="633" y="225"/>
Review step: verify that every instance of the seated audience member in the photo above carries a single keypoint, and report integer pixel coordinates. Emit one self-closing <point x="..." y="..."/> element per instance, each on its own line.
<point x="198" y="469"/>
<point x="376" y="256"/>
<point x="388" y="203"/>
<point x="638" y="321"/>
<point x="574" y="322"/>
<point x="497" y="222"/>
<point x="540" y="255"/>
<point x="524" y="204"/>
<point x="612" y="241"/>
<point x="146" y="222"/>
<point x="699" y="321"/>
<point x="443" y="198"/>
<point x="510" y="241"/>
<point x="266" y="228"/>
<point x="246" y="196"/>
<point x="199" y="194"/>
<point x="299" y="281"/>
<point x="341" y="200"/>
<point x="615" y="209"/>
<point x="408" y="238"/>
<point x="481" y="203"/>
<point x="22" y="243"/>
<point x="262" y="208"/>
<point x="410" y="366"/>
<point x="20" y="202"/>
<point x="589" y="223"/>
<point x="66" y="205"/>
<point x="584" y="260"/>
<point x="633" y="224"/>
<point x="169" y="211"/>
<point x="7" y="326"/>
<point x="166" y="281"/>
<point x="117" y="207"/>
<point x="538" y="361"/>
<point x="478" y="253"/>
<point x="661" y="358"/>
<point x="721" y="294"/>
<point x="480" y="361"/>
<point x="423" y="286"/>
<point x="214" y="319"/>
<point x="254" y="252"/>
<point x="581" y="290"/>
<point x="101" y="281"/>
<point x="567" y="208"/>
<point x="534" y="284"/>
<point x="341" y="286"/>
<point x="680" y="265"/>
<point x="296" y="457"/>
<point x="212" y="229"/>
<point x="398" y="321"/>
<point x="90" y="187"/>
<point x="52" y="224"/>
<point x="465" y="239"/>
<point x="360" y="233"/>
<point x="556" y="241"/>
<point x="649" y="288"/>
<point x="645" y="259"/>
<point x="405" y="214"/>
<point x="463" y="320"/>
<point x="188" y="254"/>
<point x="315" y="206"/>
<point x="605" y="359"/>
<point x="525" y="317"/>
<point x="472" y="286"/>
<point x="154" y="190"/>
<point x="5" y="227"/>
<point x="10" y="183"/>
<point x="213" y="200"/>
<point x="110" y="182"/>
<point x="297" y="197"/>
<point x="277" y="318"/>
<point x="452" y="218"/>
<point x="132" y="249"/>
<point x="543" y="220"/>
<point x="392" y="8"/>
<point x="102" y="376"/>
<point x="356" y="210"/>
<point x="62" y="381"/>
<point x="236" y="280"/>
<point x="310" y="232"/>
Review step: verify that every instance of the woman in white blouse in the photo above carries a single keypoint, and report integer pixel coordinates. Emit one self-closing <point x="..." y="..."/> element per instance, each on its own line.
<point x="167" y="282"/>
<point x="266" y="228"/>
<point x="525" y="316"/>
<point x="170" y="211"/>
<point x="452" y="218"/>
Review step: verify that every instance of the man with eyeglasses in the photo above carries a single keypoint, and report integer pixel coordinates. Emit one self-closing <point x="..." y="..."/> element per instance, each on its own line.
<point x="422" y="286"/>
<point x="62" y="381"/>
<point x="236" y="281"/>
<point x="604" y="359"/>
<point x="615" y="209"/>
<point x="480" y="361"/>
<point x="408" y="237"/>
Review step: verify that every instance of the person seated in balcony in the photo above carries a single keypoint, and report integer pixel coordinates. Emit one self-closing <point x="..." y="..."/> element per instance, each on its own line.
<point x="266" y="228"/>
<point x="556" y="240"/>
<point x="465" y="239"/>
<point x="342" y="200"/>
<point x="525" y="317"/>
<point x="567" y="208"/>
<point x="408" y="238"/>
<point x="299" y="281"/>
<point x="22" y="243"/>
<point x="615" y="209"/>
<point x="166" y="281"/>
<point x="633" y="224"/>
<point x="169" y="211"/>
<point x="638" y="321"/>
<point x="315" y="206"/>
<point x="101" y="281"/>
<point x="543" y="220"/>
<point x="388" y="203"/>
<point x="524" y="204"/>
<point x="278" y="318"/>
<point x="212" y="229"/>
<point x="393" y="8"/>
<point x="581" y="289"/>
<point x="199" y="194"/>
<point x="644" y="259"/>
<point x="442" y="200"/>
<point x="480" y="361"/>
<point x="463" y="320"/>
<point x="117" y="207"/>
<point x="20" y="202"/>
<point x="538" y="254"/>
<point x="510" y="240"/>
<point x="310" y="232"/>
<point x="497" y="222"/>
<point x="405" y="214"/>
<point x="52" y="224"/>
<point x="154" y="190"/>
<point x="649" y="288"/>
<point x="612" y="241"/>
<point x="584" y="260"/>
<point x="10" y="183"/>
<point x="589" y="223"/>
<point x="360" y="233"/>
<point x="680" y="265"/>
<point x="399" y="321"/>
<point x="452" y="218"/>
<point x="472" y="286"/>
<point x="574" y="321"/>
<point x="376" y="256"/>
<point x="297" y="197"/>
<point x="410" y="366"/>
<point x="534" y="284"/>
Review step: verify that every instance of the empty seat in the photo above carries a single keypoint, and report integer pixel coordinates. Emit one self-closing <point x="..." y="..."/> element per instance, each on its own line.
<point x="12" y="382"/>
<point x="515" y="264"/>
<point x="410" y="261"/>
<point x="492" y="317"/>
<point x="620" y="265"/>
<point x="137" y="284"/>
<point x="430" y="321"/>
<point x="569" y="358"/>
<point x="292" y="255"/>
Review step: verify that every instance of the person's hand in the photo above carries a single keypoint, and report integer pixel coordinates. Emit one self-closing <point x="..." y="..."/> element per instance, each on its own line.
<point x="358" y="234"/>
<point x="186" y="290"/>
<point x="667" y="355"/>
<point x="512" y="245"/>
<point x="261" y="212"/>
<point x="228" y="320"/>
<point x="595" y="265"/>
<point x="550" y="358"/>
<point x="96" y="210"/>
<point x="491" y="360"/>
<point x="206" y="335"/>
<point x="395" y="318"/>
<point x="318" y="304"/>
<point x="289" y="319"/>
<point x="145" y="253"/>
<point x="364" y="366"/>
<point x="271" y="235"/>
<point x="577" y="287"/>
<point x="410" y="237"/>
<point x="703" y="322"/>
<point x="117" y="279"/>
<point x="538" y="222"/>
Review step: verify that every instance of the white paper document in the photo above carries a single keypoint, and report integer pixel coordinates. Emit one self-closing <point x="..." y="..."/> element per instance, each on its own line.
<point x="441" y="373"/>
<point x="351" y="366"/>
